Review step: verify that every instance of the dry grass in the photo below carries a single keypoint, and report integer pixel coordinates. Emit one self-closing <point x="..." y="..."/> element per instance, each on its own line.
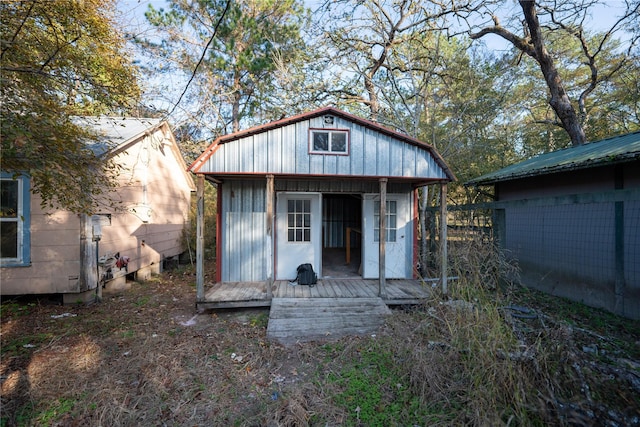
<point x="135" y="359"/>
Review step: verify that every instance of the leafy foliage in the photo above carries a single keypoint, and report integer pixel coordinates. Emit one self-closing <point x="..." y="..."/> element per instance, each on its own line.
<point x="60" y="59"/>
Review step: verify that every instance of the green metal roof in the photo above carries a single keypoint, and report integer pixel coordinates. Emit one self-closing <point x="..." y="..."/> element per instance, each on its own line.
<point x="617" y="149"/>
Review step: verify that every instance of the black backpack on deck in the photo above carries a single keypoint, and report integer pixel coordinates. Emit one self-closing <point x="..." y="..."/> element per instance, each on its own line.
<point x="306" y="275"/>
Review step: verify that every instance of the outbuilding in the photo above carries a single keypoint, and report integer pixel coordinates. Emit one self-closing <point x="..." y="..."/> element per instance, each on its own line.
<point x="572" y="220"/>
<point x="319" y="188"/>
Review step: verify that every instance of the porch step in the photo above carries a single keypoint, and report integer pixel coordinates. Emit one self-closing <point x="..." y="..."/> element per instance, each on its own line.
<point x="308" y="319"/>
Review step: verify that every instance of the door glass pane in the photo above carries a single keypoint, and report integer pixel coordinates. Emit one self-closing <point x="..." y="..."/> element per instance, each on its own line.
<point x="8" y="239"/>
<point x="392" y="221"/>
<point x="299" y="220"/>
<point x="9" y="198"/>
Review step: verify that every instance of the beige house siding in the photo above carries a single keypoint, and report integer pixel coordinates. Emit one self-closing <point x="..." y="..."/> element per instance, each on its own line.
<point x="55" y="260"/>
<point x="152" y="161"/>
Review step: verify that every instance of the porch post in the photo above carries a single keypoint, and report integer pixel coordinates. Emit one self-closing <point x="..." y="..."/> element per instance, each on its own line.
<point x="200" y="237"/>
<point x="270" y="194"/>
<point x="382" y="290"/>
<point x="443" y="237"/>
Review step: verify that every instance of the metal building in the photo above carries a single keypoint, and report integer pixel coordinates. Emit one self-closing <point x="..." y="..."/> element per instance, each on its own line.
<point x="319" y="188"/>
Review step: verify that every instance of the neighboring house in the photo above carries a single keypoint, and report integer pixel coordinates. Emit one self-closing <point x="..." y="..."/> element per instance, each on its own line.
<point x="572" y="219"/>
<point x="305" y="188"/>
<point x="58" y="252"/>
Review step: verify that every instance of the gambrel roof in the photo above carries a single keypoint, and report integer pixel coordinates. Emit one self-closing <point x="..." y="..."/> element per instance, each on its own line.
<point x="282" y="148"/>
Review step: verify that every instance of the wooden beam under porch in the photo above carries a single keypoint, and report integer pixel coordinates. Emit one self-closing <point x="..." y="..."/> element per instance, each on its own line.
<point x="254" y="294"/>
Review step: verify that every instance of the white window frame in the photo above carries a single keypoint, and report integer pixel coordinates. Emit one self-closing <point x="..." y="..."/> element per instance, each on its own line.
<point x="329" y="150"/>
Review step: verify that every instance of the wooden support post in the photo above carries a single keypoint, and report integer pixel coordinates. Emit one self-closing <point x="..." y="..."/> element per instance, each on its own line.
<point x="348" y="245"/>
<point x="619" y="263"/>
<point x="270" y="216"/>
<point x="382" y="285"/>
<point x="200" y="238"/>
<point x="443" y="237"/>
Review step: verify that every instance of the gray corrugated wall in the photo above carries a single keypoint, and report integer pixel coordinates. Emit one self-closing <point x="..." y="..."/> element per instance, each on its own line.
<point x="286" y="151"/>
<point x="244" y="220"/>
<point x="244" y="231"/>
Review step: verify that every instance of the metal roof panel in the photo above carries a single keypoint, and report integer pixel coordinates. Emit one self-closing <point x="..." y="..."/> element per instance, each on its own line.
<point x="607" y="151"/>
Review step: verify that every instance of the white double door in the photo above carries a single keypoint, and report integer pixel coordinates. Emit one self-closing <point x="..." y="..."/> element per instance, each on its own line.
<point x="299" y="235"/>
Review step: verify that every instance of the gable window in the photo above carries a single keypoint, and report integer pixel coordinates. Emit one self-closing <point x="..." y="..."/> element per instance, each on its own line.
<point x="323" y="141"/>
<point x="392" y="224"/>
<point x="299" y="220"/>
<point x="14" y="220"/>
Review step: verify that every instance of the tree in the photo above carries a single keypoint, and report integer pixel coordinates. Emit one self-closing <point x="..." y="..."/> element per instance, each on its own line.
<point x="58" y="60"/>
<point x="364" y="39"/>
<point x="230" y="50"/>
<point x="567" y="17"/>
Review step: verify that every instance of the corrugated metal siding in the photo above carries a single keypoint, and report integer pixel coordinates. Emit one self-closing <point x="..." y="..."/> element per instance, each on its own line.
<point x="244" y="231"/>
<point x="245" y="242"/>
<point x="286" y="151"/>
<point x="339" y="186"/>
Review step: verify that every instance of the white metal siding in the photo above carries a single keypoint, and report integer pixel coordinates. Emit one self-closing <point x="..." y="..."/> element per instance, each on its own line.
<point x="286" y="151"/>
<point x="244" y="242"/>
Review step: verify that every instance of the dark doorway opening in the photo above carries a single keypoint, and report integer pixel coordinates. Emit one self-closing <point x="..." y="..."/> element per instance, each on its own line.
<point x="341" y="235"/>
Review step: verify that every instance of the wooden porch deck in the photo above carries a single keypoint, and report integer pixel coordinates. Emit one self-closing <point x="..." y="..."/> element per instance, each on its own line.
<point x="254" y="294"/>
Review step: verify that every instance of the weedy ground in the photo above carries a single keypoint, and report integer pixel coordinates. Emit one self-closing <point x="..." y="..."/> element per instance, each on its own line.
<point x="492" y="353"/>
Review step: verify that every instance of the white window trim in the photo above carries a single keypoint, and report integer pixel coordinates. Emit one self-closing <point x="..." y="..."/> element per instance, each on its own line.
<point x="329" y="152"/>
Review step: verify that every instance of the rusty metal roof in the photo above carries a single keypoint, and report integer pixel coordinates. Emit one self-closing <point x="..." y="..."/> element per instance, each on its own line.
<point x="608" y="151"/>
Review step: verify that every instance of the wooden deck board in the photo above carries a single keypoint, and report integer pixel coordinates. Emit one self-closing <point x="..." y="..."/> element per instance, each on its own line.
<point x="252" y="294"/>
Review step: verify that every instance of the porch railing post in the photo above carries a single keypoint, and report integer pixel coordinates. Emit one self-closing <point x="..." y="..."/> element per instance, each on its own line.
<point x="270" y="266"/>
<point x="200" y="237"/>
<point x="443" y="237"/>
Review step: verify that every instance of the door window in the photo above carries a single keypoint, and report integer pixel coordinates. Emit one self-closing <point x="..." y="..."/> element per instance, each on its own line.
<point x="299" y="220"/>
<point x="392" y="221"/>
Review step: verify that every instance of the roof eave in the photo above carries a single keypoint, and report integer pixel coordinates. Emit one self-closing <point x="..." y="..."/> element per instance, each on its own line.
<point x="545" y="171"/>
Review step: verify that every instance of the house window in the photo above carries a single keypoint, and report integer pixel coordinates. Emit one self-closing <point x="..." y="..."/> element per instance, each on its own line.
<point x="299" y="220"/>
<point x="14" y="220"/>
<point x="329" y="141"/>
<point x="392" y="221"/>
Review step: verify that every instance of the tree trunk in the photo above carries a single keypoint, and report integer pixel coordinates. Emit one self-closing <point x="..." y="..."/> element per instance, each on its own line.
<point x="559" y="100"/>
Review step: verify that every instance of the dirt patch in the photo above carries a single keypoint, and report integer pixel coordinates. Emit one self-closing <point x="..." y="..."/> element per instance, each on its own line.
<point x="147" y="357"/>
